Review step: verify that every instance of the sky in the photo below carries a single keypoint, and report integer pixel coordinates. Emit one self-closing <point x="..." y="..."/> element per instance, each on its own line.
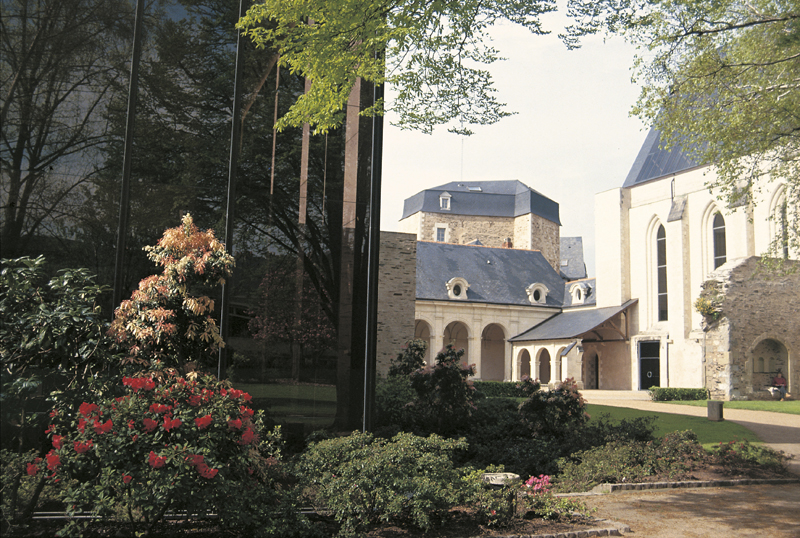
<point x="571" y="138"/>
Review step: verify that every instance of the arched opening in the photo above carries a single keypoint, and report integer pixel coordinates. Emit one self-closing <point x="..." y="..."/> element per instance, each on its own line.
<point x="661" y="273"/>
<point x="544" y="367"/>
<point x="771" y="356"/>
<point x="456" y="333"/>
<point x="493" y="348"/>
<point x="720" y="252"/>
<point x="422" y="331"/>
<point x="590" y="370"/>
<point x="524" y="364"/>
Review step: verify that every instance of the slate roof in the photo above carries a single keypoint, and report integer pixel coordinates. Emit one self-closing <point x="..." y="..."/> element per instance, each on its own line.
<point x="495" y="275"/>
<point x="654" y="162"/>
<point x="570" y="324"/>
<point x="484" y="198"/>
<point x="572" y="264"/>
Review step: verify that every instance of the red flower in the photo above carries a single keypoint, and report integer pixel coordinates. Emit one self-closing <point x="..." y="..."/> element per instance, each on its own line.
<point x="101" y="428"/>
<point x="203" y="422"/>
<point x="245" y="411"/>
<point x="235" y="424"/>
<point x="32" y="469"/>
<point x="57" y="441"/>
<point x="248" y="437"/>
<point x="81" y="425"/>
<point x="171" y="423"/>
<point x="195" y="459"/>
<point x="53" y="461"/>
<point x="81" y="448"/>
<point x="52" y="428"/>
<point x="206" y="471"/>
<point x="247" y="397"/>
<point x="159" y="408"/>
<point x="86" y="409"/>
<point x="134" y="438"/>
<point x="223" y="392"/>
<point x="156" y="461"/>
<point x="194" y="400"/>
<point x="126" y="478"/>
<point x="131" y="424"/>
<point x="53" y="413"/>
<point x="149" y="424"/>
<point x="137" y="383"/>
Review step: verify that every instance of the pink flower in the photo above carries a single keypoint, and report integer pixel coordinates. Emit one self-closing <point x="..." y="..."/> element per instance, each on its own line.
<point x="203" y="422"/>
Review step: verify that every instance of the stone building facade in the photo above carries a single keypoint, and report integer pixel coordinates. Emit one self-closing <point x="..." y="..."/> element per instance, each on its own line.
<point x="396" y="295"/>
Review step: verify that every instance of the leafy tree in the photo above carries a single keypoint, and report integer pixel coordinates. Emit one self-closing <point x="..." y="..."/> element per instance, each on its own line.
<point x="59" y="60"/>
<point x="720" y="80"/>
<point x="432" y="53"/>
<point x="411" y="359"/>
<point x="169" y="317"/>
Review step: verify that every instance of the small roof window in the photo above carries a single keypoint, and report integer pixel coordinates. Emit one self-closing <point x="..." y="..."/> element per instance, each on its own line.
<point x="537" y="293"/>
<point x="457" y="288"/>
<point x="444" y="200"/>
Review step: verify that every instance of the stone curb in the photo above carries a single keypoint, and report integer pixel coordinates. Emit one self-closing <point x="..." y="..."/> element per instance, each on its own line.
<point x="611" y="488"/>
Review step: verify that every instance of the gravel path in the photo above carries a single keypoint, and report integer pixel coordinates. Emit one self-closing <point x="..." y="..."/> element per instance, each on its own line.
<point x="780" y="431"/>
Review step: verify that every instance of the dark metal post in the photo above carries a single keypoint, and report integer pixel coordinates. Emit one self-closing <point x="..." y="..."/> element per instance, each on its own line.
<point x="233" y="164"/>
<point x="124" y="201"/>
<point x="373" y="261"/>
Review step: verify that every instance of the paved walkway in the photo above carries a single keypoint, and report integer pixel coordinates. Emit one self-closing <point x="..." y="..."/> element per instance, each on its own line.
<point x="780" y="431"/>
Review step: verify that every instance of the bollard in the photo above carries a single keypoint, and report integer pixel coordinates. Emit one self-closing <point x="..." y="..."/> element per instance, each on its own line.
<point x="715" y="411"/>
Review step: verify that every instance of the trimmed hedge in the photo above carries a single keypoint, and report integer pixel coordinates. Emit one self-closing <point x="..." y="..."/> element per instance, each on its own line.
<point x="505" y="389"/>
<point x="667" y="394"/>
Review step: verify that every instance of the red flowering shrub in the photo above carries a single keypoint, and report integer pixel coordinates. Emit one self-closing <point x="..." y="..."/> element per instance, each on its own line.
<point x="153" y="450"/>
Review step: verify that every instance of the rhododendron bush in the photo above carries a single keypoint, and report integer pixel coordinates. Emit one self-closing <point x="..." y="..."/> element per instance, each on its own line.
<point x="167" y="443"/>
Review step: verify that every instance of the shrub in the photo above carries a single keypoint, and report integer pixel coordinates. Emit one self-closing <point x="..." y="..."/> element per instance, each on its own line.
<point x="539" y="501"/>
<point x="445" y="395"/>
<point x="504" y="389"/>
<point x="494" y="505"/>
<point x="411" y="359"/>
<point x="556" y="412"/>
<point x="363" y="480"/>
<point x="167" y="443"/>
<point x="743" y="457"/>
<point x="667" y="394"/>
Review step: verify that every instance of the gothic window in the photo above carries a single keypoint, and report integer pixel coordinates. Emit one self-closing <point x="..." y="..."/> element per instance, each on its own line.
<point x="719" y="240"/>
<point x="661" y="272"/>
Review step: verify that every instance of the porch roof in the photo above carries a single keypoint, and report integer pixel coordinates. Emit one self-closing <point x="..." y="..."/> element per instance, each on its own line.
<point x="570" y="324"/>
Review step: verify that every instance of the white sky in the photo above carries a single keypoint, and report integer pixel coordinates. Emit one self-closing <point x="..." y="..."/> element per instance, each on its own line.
<point x="572" y="136"/>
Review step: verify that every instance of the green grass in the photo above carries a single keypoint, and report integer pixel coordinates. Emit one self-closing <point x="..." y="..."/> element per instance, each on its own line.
<point x="792" y="408"/>
<point x="708" y="433"/>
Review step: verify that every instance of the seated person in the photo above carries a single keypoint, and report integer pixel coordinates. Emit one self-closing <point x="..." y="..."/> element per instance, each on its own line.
<point x="779" y="382"/>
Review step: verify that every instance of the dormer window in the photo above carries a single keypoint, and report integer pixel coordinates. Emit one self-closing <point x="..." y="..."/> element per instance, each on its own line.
<point x="457" y="288"/>
<point x="537" y="293"/>
<point x="444" y="201"/>
<point x="579" y="292"/>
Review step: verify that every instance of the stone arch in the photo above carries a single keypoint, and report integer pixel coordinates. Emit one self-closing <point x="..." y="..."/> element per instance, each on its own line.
<point x="771" y="351"/>
<point x="779" y="223"/>
<point x="543" y="359"/>
<point x="493" y="352"/>
<point x="709" y="242"/>
<point x="457" y="334"/>
<point x="524" y="360"/>
<point x="657" y="292"/>
<point x="422" y="331"/>
<point x="561" y="365"/>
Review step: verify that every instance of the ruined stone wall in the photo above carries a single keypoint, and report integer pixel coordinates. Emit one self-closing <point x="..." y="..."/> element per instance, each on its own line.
<point x="397" y="290"/>
<point x="760" y="310"/>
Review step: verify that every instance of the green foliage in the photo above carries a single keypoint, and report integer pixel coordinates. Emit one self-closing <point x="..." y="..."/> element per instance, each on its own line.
<point x="718" y="80"/>
<point x="363" y="480"/>
<point x="495" y="505"/>
<point x="631" y="461"/>
<point x="444" y="393"/>
<point x="741" y="457"/>
<point x="505" y="389"/>
<point x="411" y="359"/>
<point x="667" y="394"/>
<point x="169" y="318"/>
<point x="167" y="443"/>
<point x="431" y="54"/>
<point x="556" y="412"/>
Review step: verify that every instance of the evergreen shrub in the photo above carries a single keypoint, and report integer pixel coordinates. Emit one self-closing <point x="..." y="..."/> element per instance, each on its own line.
<point x="668" y="394"/>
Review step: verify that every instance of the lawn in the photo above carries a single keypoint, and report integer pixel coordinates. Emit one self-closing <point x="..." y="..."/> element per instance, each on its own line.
<point x="708" y="433"/>
<point x="792" y="408"/>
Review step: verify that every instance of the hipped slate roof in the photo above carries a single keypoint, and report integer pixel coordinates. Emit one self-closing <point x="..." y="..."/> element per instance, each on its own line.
<point x="484" y="198"/>
<point x="654" y="162"/>
<point x="570" y="324"/>
<point x="572" y="264"/>
<point x="495" y="275"/>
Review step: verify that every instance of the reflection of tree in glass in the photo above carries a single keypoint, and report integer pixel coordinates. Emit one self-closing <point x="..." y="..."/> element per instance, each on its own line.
<point x="290" y="311"/>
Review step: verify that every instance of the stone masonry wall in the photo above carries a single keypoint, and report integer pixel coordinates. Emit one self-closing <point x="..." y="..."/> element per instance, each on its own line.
<point x="397" y="290"/>
<point x="546" y="237"/>
<point x="757" y="305"/>
<point x="463" y="229"/>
